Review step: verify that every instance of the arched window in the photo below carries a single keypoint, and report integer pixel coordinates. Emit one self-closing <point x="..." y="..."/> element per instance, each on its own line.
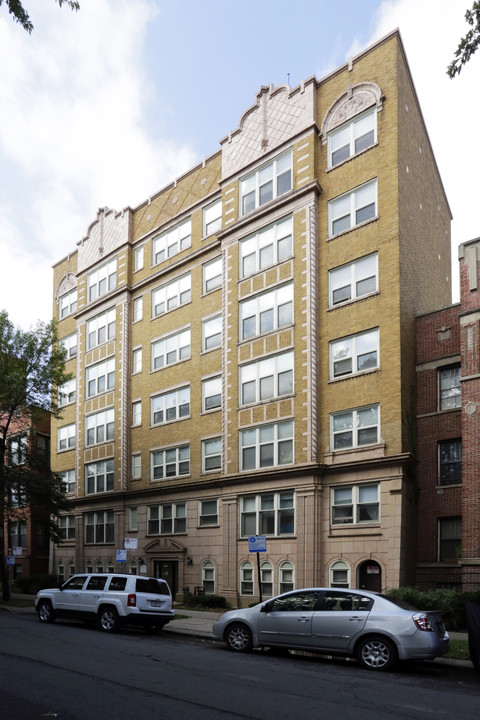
<point x="133" y="568"/>
<point x="246" y="578"/>
<point x="266" y="576"/>
<point x="99" y="567"/>
<point x="110" y="567"/>
<point x="71" y="569"/>
<point x="89" y="567"/>
<point x="208" y="578"/>
<point x="339" y="574"/>
<point x="61" y="572"/>
<point x="286" y="575"/>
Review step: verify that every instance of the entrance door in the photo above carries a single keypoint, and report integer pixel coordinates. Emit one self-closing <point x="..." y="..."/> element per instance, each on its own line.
<point x="167" y="570"/>
<point x="370" y="576"/>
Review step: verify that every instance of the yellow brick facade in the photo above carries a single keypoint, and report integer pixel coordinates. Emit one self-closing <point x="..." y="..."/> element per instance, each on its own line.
<point x="189" y="443"/>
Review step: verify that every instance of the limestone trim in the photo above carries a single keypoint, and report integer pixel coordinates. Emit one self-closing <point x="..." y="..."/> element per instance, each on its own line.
<point x="352" y="102"/>
<point x="67" y="283"/>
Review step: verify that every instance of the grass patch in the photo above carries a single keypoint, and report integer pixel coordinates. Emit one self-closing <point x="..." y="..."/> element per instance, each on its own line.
<point x="458" y="650"/>
<point x="17" y="602"/>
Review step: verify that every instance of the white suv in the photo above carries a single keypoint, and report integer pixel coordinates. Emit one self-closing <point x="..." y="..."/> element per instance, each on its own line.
<point x="109" y="600"/>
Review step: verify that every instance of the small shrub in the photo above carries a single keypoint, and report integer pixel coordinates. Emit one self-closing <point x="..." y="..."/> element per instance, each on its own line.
<point x="450" y="602"/>
<point x="205" y="601"/>
<point x="33" y="583"/>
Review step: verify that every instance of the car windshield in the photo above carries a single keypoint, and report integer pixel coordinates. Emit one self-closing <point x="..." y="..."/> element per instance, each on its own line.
<point x="400" y="603"/>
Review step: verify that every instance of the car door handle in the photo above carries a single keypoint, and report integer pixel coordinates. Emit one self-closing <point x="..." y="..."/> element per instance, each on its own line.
<point x="303" y="619"/>
<point x="355" y="618"/>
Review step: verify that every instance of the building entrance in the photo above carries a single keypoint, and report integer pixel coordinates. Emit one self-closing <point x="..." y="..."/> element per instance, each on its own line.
<point x="370" y="576"/>
<point x="167" y="570"/>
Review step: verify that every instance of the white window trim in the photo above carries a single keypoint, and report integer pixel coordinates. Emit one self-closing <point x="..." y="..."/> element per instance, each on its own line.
<point x="178" y="236"/>
<point x="138" y="258"/>
<point x="175" y="288"/>
<point x="332" y="569"/>
<point x="137" y="309"/>
<point x="136" y="468"/>
<point x="107" y="463"/>
<point x="206" y="470"/>
<point x="205" y="280"/>
<point x="256" y="366"/>
<point x="279" y="230"/>
<point x="354" y="296"/>
<point x="355" y="354"/>
<point x="102" y="419"/>
<point x="274" y="306"/>
<point x="68" y="302"/>
<point x="107" y="272"/>
<point x="258" y="445"/>
<point x="214" y="515"/>
<point x="351" y="194"/>
<point x="216" y="221"/>
<point x="164" y="395"/>
<point x="277" y="510"/>
<point x="67" y="434"/>
<point x="350" y="125"/>
<point x="205" y="323"/>
<point x="458" y="398"/>
<point x="356" y="504"/>
<point x="354" y="428"/>
<point x="136" y="413"/>
<point x="255" y="177"/>
<point x="103" y="369"/>
<point x="164" y="340"/>
<point x="178" y="462"/>
<point x="95" y="325"/>
<point x="215" y="379"/>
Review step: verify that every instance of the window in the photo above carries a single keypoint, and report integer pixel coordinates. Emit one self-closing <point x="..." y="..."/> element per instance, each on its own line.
<point x="212" y="275"/>
<point x="266" y="446"/>
<point x="286" y="576"/>
<point x="101" y="328"/>
<point x="66" y="394"/>
<point x="212" y="394"/>
<point x="170" y="463"/>
<point x="353" y="208"/>
<point x="167" y="519"/>
<point x="171" y="350"/>
<point x="266" y="579"/>
<point x="136" y="466"/>
<point x="137" y="413"/>
<point x="266" y="379"/>
<point x="169" y="406"/>
<point x="70" y="345"/>
<point x="212" y="333"/>
<point x="355" y="428"/>
<point x="137" y="360"/>
<point x="99" y="527"/>
<point x="102" y="280"/>
<point x="99" y="477"/>
<point x="66" y="437"/>
<point x="133" y="518"/>
<point x="352" y="137"/>
<point x="268" y="514"/>
<point x="66" y="527"/>
<point x="266" y="312"/>
<point x="246" y="579"/>
<point x="17" y="450"/>
<point x="138" y="259"/>
<point x="99" y="428"/>
<point x="137" y="309"/>
<point x="266" y="183"/>
<point x="269" y="246"/>
<point x="67" y="478"/>
<point x="208" y="578"/>
<point x="355" y="504"/>
<point x="208" y="512"/>
<point x="339" y="574"/>
<point x="450" y="460"/>
<point x="172" y="295"/>
<point x="100" y="377"/>
<point x="354" y="354"/>
<point x="449" y="389"/>
<point x="18" y="495"/>
<point x="354" y="280"/>
<point x="212" y="218"/>
<point x="449" y="538"/>
<point x="172" y="241"/>
<point x="211" y="454"/>
<point x="67" y="304"/>
<point x="17" y="534"/>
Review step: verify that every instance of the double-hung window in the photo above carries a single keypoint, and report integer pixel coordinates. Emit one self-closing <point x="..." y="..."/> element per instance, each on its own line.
<point x="169" y="463"/>
<point x="100" y="377"/>
<point x="102" y="280"/>
<point x="212" y="393"/>
<point x="450" y="462"/>
<point x="100" y="527"/>
<point x="17" y="534"/>
<point x="266" y="379"/>
<point x="169" y="406"/>
<point x="17" y="450"/>
<point x="354" y="280"/>
<point x="66" y="437"/>
<point x="70" y="345"/>
<point x="355" y="504"/>
<point x="66" y="527"/>
<point x="211" y="454"/>
<point x="449" y="538"/>
<point x="354" y="354"/>
<point x="352" y="137"/>
<point x="167" y="519"/>
<point x="266" y="446"/>
<point x="137" y="360"/>
<point x="137" y="309"/>
<point x="355" y="428"/>
<point x="207" y="512"/>
<point x="101" y="328"/>
<point x="66" y="394"/>
<point x="138" y="259"/>
<point x="268" y="514"/>
<point x="269" y="246"/>
<point x="171" y="350"/>
<point x="67" y="303"/>
<point x="212" y="274"/>
<point x="212" y="332"/>
<point x="99" y="477"/>
<point x="449" y="388"/>
<point x="212" y="218"/>
<point x="172" y="241"/>
<point x="268" y="182"/>
<point x="352" y="208"/>
<point x="67" y="481"/>
<point x="171" y="295"/>
<point x="266" y="312"/>
<point x="99" y="427"/>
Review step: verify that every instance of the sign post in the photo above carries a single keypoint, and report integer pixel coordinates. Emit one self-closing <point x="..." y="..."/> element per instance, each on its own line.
<point x="258" y="544"/>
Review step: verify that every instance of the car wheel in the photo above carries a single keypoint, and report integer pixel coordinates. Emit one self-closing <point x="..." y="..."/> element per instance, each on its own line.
<point x="239" y="638"/>
<point x="377" y="653"/>
<point x="108" y="620"/>
<point x="46" y="613"/>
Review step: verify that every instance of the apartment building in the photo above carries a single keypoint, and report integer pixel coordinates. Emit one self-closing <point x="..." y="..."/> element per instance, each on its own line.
<point x="448" y="427"/>
<point x="243" y="344"/>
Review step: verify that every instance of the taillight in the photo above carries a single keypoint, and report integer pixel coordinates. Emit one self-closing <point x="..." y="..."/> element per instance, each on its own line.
<point x="423" y="622"/>
<point x="132" y="600"/>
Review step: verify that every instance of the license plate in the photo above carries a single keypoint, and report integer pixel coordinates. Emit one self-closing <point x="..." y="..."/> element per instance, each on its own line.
<point x="157" y="603"/>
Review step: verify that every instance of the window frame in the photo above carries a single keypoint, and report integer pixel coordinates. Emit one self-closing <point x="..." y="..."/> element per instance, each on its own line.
<point x="251" y="374"/>
<point x="352" y="196"/>
<point x="215" y="381"/>
<point x="175" y="524"/>
<point x="216" y="222"/>
<point x="211" y="455"/>
<point x="181" y="405"/>
<point x="94" y="326"/>
<point x="285" y="585"/>
<point x="136" y="466"/>
<point x="67" y="303"/>
<point x="138" y="258"/>
<point x="354" y="428"/>
<point x="172" y="242"/>
<point x="348" y="128"/>
<point x="275" y="442"/>
<point x="208" y="577"/>
<point x="67" y="393"/>
<point x="205" y="338"/>
<point x="443" y="396"/>
<point x="446" y="478"/>
<point x="251" y="247"/>
<point x="444" y="555"/>
<point x="177" y="462"/>
<point x="103" y="369"/>
<point x="66" y="437"/>
<point x="268" y="301"/>
<point x="257" y="517"/>
<point x="164" y="341"/>
<point x="175" y="291"/>
<point x="356" y="504"/>
<point x="103" y="527"/>
<point x="207" y="519"/>
<point x="251" y="185"/>
<point x="351" y="352"/>
<point x="104" y="273"/>
<point x="247" y="578"/>
<point x="137" y="360"/>
<point x="354" y="266"/>
<point x="66" y="480"/>
<point x="137" y="309"/>
<point x="217" y="264"/>
<point x="70" y="343"/>
<point x="66" y="528"/>
<point x="136" y="413"/>
<point x="102" y="423"/>
<point x="103" y="469"/>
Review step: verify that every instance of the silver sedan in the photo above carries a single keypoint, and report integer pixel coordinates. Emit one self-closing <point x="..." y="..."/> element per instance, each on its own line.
<point x="377" y="629"/>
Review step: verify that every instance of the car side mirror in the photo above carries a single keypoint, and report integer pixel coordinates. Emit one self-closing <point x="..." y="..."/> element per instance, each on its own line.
<point x="267" y="607"/>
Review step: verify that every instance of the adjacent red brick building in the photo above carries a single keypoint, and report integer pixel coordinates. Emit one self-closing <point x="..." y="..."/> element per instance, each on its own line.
<point x="448" y="429"/>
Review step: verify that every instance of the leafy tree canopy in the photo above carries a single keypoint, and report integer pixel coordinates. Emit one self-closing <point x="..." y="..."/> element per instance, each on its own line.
<point x="469" y="44"/>
<point x="20" y="15"/>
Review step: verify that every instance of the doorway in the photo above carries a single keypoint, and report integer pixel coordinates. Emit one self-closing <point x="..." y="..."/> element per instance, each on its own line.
<point x="370" y="576"/>
<point x="167" y="570"/>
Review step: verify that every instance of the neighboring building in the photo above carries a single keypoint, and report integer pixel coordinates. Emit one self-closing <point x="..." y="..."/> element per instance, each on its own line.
<point x="244" y="348"/>
<point x="448" y="428"/>
<point x="28" y="535"/>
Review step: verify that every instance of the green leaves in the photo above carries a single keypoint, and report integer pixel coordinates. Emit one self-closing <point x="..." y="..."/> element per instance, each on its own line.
<point x="469" y="44"/>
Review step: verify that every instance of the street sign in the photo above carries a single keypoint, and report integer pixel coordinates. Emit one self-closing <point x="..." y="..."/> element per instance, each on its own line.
<point x="121" y="556"/>
<point x="10" y="560"/>
<point x="16" y="551"/>
<point x="257" y="543"/>
<point x="130" y="543"/>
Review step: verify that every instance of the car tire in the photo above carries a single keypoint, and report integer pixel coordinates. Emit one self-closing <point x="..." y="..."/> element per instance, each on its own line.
<point x="239" y="638"/>
<point x="108" y="620"/>
<point x="46" y="613"/>
<point x="377" y="653"/>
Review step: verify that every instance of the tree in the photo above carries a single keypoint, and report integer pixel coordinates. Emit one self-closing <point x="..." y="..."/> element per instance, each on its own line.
<point x="469" y="44"/>
<point x="32" y="370"/>
<point x="20" y="15"/>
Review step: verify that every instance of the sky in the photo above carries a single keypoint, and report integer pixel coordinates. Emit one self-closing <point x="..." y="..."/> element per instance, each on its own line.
<point x="105" y="106"/>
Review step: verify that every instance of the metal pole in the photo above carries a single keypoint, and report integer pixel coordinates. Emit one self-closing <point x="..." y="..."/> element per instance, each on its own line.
<point x="259" y="577"/>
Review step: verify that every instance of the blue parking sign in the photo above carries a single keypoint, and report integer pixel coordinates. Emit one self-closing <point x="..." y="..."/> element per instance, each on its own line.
<point x="257" y="543"/>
